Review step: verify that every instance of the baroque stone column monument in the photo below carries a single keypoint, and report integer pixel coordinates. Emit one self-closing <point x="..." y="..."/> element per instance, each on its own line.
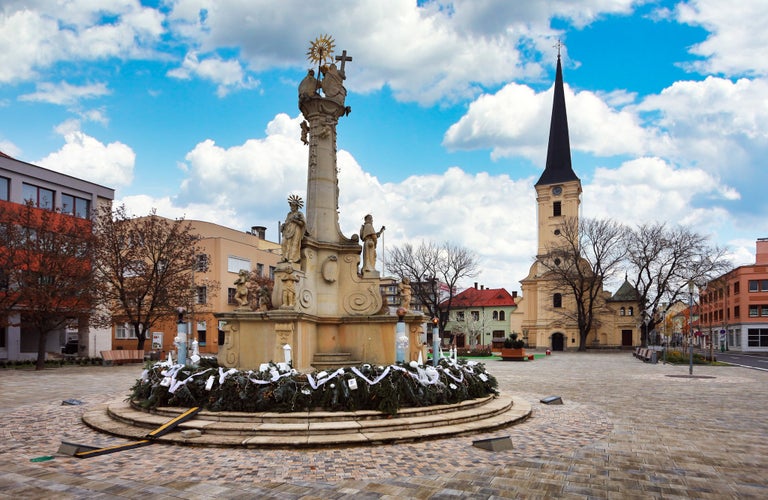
<point x="328" y="310"/>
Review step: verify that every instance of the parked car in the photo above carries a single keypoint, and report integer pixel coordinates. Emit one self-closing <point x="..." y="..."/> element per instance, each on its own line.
<point x="71" y="347"/>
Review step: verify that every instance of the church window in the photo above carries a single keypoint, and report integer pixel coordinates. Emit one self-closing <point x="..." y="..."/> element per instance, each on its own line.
<point x="622" y="312"/>
<point x="631" y="311"/>
<point x="557" y="209"/>
<point x="557" y="300"/>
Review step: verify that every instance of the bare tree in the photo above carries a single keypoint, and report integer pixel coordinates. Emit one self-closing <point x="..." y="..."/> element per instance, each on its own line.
<point x="586" y="255"/>
<point x="664" y="261"/>
<point x="434" y="271"/>
<point x="144" y="268"/>
<point x="46" y="266"/>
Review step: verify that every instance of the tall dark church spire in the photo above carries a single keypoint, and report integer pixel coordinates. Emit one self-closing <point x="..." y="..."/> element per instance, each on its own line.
<point x="558" y="167"/>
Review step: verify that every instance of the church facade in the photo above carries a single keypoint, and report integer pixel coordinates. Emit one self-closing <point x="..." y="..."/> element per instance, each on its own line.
<point x="542" y="315"/>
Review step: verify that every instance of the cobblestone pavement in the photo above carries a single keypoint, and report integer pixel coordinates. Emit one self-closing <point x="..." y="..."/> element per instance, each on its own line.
<point x="627" y="429"/>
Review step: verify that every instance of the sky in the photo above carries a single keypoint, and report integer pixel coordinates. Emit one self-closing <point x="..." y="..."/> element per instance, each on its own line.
<point x="190" y="107"/>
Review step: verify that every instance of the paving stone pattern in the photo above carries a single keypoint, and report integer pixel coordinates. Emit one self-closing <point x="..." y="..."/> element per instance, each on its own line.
<point x="627" y="429"/>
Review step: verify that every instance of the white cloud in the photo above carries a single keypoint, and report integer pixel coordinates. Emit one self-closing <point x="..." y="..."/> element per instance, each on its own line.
<point x="85" y="157"/>
<point x="65" y="94"/>
<point x="515" y="122"/>
<point x="34" y="35"/>
<point x="229" y="75"/>
<point x="424" y="53"/>
<point x="650" y="189"/>
<point x="736" y="33"/>
<point x="716" y="124"/>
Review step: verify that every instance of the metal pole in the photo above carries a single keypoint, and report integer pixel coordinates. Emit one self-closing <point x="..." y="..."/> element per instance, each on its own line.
<point x="690" y="321"/>
<point x="435" y="341"/>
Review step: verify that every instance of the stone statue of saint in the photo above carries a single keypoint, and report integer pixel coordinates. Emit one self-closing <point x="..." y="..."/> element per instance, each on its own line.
<point x="241" y="288"/>
<point x="333" y="88"/>
<point x="289" y="281"/>
<point x="308" y="86"/>
<point x="405" y="293"/>
<point x="369" y="237"/>
<point x="264" y="294"/>
<point x="293" y="230"/>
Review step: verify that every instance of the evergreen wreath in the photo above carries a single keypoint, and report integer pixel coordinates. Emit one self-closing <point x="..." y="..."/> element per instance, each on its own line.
<point x="277" y="387"/>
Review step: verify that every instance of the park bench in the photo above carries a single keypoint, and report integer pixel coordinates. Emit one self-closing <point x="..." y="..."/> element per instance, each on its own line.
<point x="642" y="353"/>
<point x="120" y="356"/>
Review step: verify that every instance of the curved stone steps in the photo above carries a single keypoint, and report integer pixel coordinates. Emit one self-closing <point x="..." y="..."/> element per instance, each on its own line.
<point x="313" y="429"/>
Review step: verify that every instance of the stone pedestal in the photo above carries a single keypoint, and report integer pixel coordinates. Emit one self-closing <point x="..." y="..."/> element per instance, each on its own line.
<point x="324" y="308"/>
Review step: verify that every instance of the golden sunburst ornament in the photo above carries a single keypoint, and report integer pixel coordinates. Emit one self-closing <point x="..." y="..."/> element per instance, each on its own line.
<point x="321" y="49"/>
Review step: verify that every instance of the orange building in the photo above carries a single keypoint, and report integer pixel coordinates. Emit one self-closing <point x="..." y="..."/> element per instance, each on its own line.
<point x="734" y="307"/>
<point x="228" y="251"/>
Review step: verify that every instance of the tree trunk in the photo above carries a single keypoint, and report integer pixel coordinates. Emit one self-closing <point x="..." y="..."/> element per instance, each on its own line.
<point x="41" y="338"/>
<point x="140" y="339"/>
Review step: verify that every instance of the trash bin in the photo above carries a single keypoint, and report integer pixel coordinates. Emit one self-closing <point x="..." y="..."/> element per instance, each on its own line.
<point x="654" y="357"/>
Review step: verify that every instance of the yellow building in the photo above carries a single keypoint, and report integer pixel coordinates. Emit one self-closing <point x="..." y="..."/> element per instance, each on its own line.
<point x="542" y="312"/>
<point x="229" y="251"/>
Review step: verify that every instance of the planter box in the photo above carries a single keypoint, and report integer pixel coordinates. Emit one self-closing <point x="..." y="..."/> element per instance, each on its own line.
<point x="513" y="354"/>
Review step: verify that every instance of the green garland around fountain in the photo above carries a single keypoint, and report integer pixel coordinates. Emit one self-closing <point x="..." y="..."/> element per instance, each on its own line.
<point x="279" y="388"/>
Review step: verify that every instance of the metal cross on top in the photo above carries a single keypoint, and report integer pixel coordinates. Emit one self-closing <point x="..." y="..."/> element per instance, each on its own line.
<point x="343" y="58"/>
<point x="557" y="45"/>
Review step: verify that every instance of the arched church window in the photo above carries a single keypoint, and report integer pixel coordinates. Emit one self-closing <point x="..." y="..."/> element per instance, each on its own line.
<point x="631" y="311"/>
<point x="622" y="312"/>
<point x="557" y="300"/>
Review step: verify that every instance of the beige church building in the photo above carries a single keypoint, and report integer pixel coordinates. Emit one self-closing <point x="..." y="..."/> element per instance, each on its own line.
<point x="540" y="315"/>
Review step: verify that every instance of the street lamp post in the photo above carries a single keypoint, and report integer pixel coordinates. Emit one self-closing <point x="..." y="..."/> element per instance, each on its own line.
<point x="435" y="341"/>
<point x="690" y="321"/>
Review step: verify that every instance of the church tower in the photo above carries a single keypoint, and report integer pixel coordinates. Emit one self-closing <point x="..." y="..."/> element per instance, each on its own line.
<point x="558" y="190"/>
<point x="558" y="195"/>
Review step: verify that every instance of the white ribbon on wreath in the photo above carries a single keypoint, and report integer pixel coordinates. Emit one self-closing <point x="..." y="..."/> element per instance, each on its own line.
<point x="175" y="384"/>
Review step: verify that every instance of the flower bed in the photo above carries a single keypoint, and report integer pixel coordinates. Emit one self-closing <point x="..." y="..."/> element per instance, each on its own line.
<point x="279" y="388"/>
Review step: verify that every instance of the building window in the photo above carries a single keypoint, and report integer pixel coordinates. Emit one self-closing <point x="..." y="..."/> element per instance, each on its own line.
<point x="201" y="332"/>
<point x="202" y="295"/>
<point x="502" y="316"/>
<point x="40" y="197"/>
<point x="125" y="331"/>
<point x="631" y="311"/>
<point x="736" y="288"/>
<point x="736" y="311"/>
<point x="236" y="264"/>
<point x="753" y="311"/>
<point x="622" y="312"/>
<point x="495" y="315"/>
<point x="260" y="270"/>
<point x="202" y="263"/>
<point x="73" y="205"/>
<point x="459" y="315"/>
<point x="499" y="335"/>
<point x="231" y="295"/>
<point x="764" y="285"/>
<point x="557" y="209"/>
<point x="757" y="337"/>
<point x="557" y="300"/>
<point x="5" y="189"/>
<point x="272" y="273"/>
<point x="764" y="310"/>
<point x="753" y="285"/>
<point x="475" y="315"/>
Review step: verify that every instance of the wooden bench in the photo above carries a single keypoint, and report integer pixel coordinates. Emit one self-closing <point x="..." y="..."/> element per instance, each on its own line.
<point x="121" y="356"/>
<point x="644" y="354"/>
